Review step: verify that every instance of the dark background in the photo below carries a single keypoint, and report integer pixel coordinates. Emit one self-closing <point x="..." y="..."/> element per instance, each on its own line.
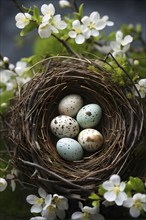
<point x="119" y="11"/>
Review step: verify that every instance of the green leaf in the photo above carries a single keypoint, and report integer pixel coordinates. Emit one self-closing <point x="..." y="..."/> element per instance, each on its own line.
<point x="135" y="184"/>
<point x="96" y="203"/>
<point x="81" y="10"/>
<point x="36" y="14"/>
<point x="94" y="196"/>
<point x="101" y="190"/>
<point x="31" y="26"/>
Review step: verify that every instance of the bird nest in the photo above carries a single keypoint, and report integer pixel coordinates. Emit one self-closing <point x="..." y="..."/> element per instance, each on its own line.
<point x="33" y="146"/>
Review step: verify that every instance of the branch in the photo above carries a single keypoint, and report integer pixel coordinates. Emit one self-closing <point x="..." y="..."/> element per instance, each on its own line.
<point x="18" y="5"/>
<point x="68" y="48"/>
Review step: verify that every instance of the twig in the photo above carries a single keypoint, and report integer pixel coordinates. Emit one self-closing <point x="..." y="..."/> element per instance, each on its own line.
<point x="18" y="5"/>
<point x="68" y="48"/>
<point x="53" y="174"/>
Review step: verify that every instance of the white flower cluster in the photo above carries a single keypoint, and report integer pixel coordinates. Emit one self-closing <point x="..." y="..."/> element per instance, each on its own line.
<point x="50" y="22"/>
<point x="115" y="193"/>
<point x="121" y="45"/>
<point x="49" y="206"/>
<point x="12" y="74"/>
<point x="88" y="27"/>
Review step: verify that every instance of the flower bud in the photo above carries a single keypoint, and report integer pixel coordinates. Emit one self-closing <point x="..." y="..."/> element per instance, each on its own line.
<point x="5" y="59"/>
<point x="64" y="3"/>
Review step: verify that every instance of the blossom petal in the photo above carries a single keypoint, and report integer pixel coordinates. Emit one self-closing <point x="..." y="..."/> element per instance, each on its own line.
<point x="127" y="39"/>
<point x="94" y="33"/>
<point x="119" y="36"/>
<point x="31" y="199"/>
<point x="48" y="9"/>
<point x="142" y="82"/>
<point x="3" y="184"/>
<point x="121" y="197"/>
<point x="94" y="16"/>
<point x="108" y="185"/>
<point x="100" y="24"/>
<point x="48" y="199"/>
<point x="80" y="39"/>
<point x="110" y="196"/>
<point x="122" y="186"/>
<point x="36" y="209"/>
<point x="115" y="179"/>
<point x="44" y="30"/>
<point x="91" y="210"/>
<point x="38" y="218"/>
<point x="128" y="203"/>
<point x="42" y="193"/>
<point x="86" y="20"/>
<point x="115" y="46"/>
<point x="76" y="24"/>
<point x="77" y="216"/>
<point x="134" y="212"/>
<point x="72" y="34"/>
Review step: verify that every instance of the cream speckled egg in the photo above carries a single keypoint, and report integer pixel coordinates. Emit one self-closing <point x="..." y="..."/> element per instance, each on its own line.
<point x="70" y="105"/>
<point x="64" y="126"/>
<point x="89" y="115"/>
<point x="90" y="139"/>
<point x="69" y="149"/>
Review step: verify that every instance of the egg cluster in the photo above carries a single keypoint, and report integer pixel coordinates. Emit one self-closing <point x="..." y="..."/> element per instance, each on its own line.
<point x="75" y="128"/>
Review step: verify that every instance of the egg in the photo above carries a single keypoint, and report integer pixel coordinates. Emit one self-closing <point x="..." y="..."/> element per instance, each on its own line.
<point x="64" y="126"/>
<point x="69" y="149"/>
<point x="89" y="115"/>
<point x="90" y="139"/>
<point x="70" y="105"/>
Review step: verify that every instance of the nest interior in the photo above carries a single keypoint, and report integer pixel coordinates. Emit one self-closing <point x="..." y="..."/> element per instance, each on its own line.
<point x="33" y="146"/>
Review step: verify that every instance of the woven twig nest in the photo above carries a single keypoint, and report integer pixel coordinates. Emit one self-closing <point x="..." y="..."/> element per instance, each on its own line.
<point x="33" y="146"/>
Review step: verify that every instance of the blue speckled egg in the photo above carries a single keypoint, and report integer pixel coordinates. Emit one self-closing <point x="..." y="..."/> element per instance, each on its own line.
<point x="64" y="126"/>
<point x="69" y="149"/>
<point x="89" y="115"/>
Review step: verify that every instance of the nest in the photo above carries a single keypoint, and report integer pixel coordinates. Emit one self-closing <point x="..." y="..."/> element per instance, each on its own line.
<point x="33" y="146"/>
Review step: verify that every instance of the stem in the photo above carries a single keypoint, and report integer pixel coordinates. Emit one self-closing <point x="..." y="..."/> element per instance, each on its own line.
<point x="68" y="48"/>
<point x="18" y="5"/>
<point x="75" y="6"/>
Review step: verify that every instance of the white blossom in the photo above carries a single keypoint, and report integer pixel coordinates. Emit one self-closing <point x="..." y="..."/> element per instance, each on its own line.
<point x="55" y="206"/>
<point x="136" y="204"/>
<point x="5" y="76"/>
<point x="78" y="32"/>
<point x="36" y="201"/>
<point x="88" y="213"/>
<point x="22" y="20"/>
<point x="64" y="3"/>
<point x="50" y="22"/>
<point x="121" y="45"/>
<point x="115" y="190"/>
<point x="141" y="87"/>
<point x="94" y="24"/>
<point x="3" y="184"/>
<point x="21" y="67"/>
<point x="60" y="201"/>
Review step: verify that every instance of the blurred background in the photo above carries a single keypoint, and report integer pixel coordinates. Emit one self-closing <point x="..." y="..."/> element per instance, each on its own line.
<point x="125" y="11"/>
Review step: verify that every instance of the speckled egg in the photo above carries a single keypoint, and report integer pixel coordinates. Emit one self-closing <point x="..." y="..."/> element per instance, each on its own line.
<point x="69" y="149"/>
<point x="70" y="105"/>
<point x="64" y="126"/>
<point x="89" y="115"/>
<point x="90" y="139"/>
